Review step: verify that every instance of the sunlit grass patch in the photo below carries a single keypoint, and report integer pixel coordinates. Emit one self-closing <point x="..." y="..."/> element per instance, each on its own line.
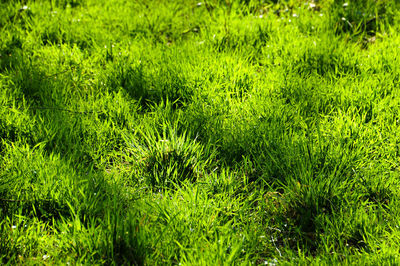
<point x="199" y="132"/>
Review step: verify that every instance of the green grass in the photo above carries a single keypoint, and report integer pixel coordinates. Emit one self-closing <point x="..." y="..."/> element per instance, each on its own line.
<point x="199" y="132"/>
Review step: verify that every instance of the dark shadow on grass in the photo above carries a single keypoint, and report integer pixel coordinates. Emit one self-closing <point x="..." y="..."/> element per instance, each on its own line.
<point x="151" y="89"/>
<point x="324" y="64"/>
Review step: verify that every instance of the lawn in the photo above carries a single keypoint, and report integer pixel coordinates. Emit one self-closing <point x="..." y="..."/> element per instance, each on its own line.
<point x="218" y="132"/>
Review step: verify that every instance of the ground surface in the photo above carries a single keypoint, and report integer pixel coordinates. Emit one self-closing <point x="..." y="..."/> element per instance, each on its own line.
<point x="199" y="133"/>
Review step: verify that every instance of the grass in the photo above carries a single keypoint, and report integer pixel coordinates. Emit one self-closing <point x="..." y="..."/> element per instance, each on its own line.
<point x="199" y="133"/>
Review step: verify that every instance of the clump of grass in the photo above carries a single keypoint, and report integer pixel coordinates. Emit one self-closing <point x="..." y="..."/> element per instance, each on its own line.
<point x="169" y="157"/>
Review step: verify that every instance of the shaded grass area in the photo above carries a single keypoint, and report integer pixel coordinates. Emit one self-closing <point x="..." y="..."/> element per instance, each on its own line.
<point x="182" y="132"/>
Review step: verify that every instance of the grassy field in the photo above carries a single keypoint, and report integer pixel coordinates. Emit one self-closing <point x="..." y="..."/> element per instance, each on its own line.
<point x="200" y="132"/>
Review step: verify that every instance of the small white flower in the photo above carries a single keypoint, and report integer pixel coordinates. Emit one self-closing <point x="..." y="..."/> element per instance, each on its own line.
<point x="345" y="4"/>
<point x="45" y="257"/>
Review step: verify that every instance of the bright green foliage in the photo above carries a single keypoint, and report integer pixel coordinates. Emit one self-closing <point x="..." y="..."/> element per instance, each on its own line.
<point x="199" y="132"/>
